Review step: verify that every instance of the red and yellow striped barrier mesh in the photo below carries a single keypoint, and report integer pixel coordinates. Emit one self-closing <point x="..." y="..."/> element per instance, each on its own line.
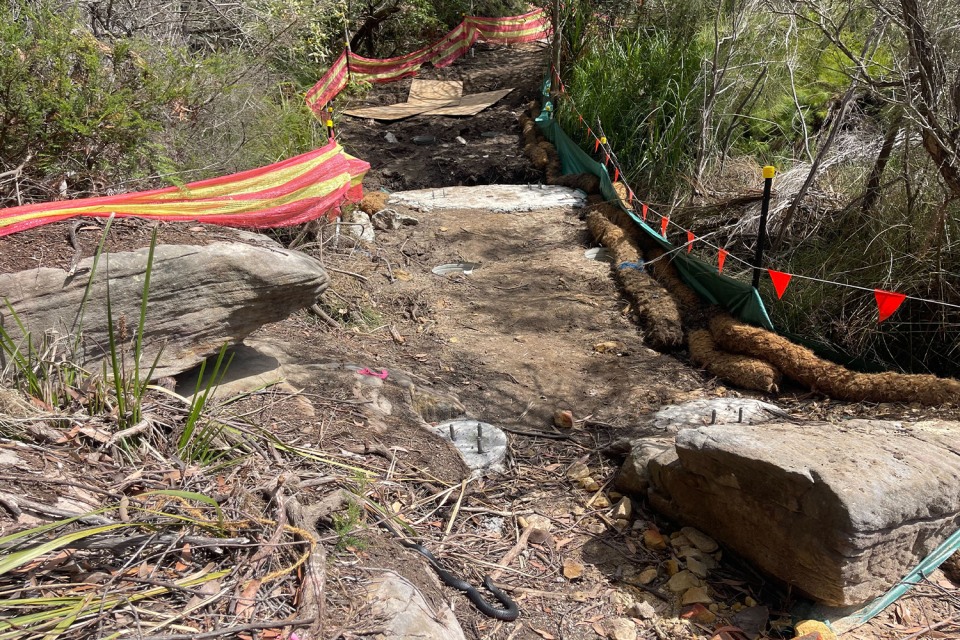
<point x="351" y="67"/>
<point x="290" y="192"/>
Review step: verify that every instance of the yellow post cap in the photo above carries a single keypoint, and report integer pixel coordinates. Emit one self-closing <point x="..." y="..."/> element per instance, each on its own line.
<point x="603" y="140"/>
<point x="769" y="172"/>
<point x="329" y="123"/>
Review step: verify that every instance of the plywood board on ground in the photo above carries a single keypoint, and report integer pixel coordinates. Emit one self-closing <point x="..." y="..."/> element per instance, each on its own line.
<point x="470" y="105"/>
<point x="429" y="91"/>
<point x="399" y="110"/>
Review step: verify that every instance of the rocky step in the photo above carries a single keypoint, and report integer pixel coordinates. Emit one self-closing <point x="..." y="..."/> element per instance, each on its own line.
<point x="839" y="511"/>
<point x="200" y="298"/>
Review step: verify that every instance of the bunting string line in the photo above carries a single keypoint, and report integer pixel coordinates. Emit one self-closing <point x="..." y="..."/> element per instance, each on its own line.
<point x="601" y="144"/>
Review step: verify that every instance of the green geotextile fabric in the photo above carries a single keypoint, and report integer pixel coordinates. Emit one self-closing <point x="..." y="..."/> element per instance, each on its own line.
<point x="739" y="298"/>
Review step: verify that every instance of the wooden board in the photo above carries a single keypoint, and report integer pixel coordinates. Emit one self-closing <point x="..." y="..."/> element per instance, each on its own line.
<point x="429" y="91"/>
<point x="470" y="105"/>
<point x="397" y="111"/>
<point x="425" y="95"/>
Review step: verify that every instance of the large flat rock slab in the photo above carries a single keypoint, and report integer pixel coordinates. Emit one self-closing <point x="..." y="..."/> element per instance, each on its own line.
<point x="499" y="198"/>
<point x="841" y="512"/>
<point x="200" y="298"/>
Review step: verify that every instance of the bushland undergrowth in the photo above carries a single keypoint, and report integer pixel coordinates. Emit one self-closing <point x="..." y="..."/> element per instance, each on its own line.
<point x="695" y="97"/>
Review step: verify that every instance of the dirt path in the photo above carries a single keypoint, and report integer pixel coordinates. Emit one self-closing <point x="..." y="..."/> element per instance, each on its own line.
<point x="536" y="328"/>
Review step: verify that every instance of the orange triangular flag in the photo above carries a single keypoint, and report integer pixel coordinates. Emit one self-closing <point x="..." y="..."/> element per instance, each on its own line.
<point x="690" y="239"/>
<point x="663" y="226"/>
<point x="887" y="302"/>
<point x="780" y="281"/>
<point x="644" y="213"/>
<point x="630" y="196"/>
<point x="616" y="174"/>
<point x="596" y="146"/>
<point x="721" y="258"/>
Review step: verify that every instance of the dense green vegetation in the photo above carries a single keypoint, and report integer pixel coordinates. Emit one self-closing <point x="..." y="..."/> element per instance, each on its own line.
<point x="696" y="97"/>
<point x="99" y="97"/>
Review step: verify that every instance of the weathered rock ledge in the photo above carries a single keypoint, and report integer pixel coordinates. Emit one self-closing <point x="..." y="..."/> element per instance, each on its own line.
<point x="200" y="298"/>
<point x="841" y="512"/>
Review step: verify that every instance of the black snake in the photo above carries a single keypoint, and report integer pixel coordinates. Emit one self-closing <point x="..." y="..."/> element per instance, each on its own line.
<point x="510" y="612"/>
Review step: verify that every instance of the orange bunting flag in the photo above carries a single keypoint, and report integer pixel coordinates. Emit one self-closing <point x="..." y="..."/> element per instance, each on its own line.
<point x="887" y="302"/>
<point x="596" y="146"/>
<point x="780" y="281"/>
<point x="644" y="213"/>
<point x="616" y="174"/>
<point x="663" y="226"/>
<point x="721" y="258"/>
<point x="630" y="196"/>
<point x="606" y="160"/>
<point x="581" y="120"/>
<point x="690" y="239"/>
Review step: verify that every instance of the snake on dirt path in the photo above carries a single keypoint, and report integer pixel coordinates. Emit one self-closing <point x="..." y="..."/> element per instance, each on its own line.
<point x="508" y="613"/>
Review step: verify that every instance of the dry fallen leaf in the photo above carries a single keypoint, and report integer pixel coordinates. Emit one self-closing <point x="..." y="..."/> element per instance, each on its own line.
<point x="544" y="634"/>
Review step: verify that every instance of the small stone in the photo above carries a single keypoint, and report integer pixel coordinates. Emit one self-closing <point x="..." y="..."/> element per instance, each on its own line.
<point x="647" y="576"/>
<point x="641" y="610"/>
<point x="392" y="139"/>
<point x="679" y="541"/>
<point x="810" y="636"/>
<point x="461" y="140"/>
<point x="714" y="608"/>
<point x="704" y="559"/>
<point x="638" y="525"/>
<point x="622" y="523"/>
<point x="563" y="419"/>
<point x="601" y="502"/>
<point x="624" y="509"/>
<point x="697" y="568"/>
<point x="595" y="528"/>
<point x="696" y="595"/>
<point x="578" y="510"/>
<point x="653" y="540"/>
<point x="737" y="606"/>
<point x="673" y="567"/>
<point x="577" y="470"/>
<point x="750" y="602"/>
<point x="682" y="581"/>
<point x="613" y="495"/>
<point x="698" y="613"/>
<point x="814" y="626"/>
<point x="585" y="482"/>
<point x="609" y="347"/>
<point x="700" y="540"/>
<point x="400" y="274"/>
<point x="675" y="535"/>
<point x="572" y="569"/>
<point x="592" y="486"/>
<point x="620" y="629"/>
<point x="541" y="528"/>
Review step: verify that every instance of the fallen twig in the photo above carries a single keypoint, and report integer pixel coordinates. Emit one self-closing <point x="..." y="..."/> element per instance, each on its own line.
<point x="513" y="553"/>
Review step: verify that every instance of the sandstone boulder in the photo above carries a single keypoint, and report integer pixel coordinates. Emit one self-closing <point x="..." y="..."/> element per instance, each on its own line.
<point x="841" y="512"/>
<point x="200" y="298"/>
<point x="405" y="612"/>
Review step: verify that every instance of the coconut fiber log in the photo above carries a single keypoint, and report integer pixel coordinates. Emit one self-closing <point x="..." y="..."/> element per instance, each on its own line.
<point x="800" y="364"/>
<point x="656" y="309"/>
<point x="586" y="182"/>
<point x="742" y="371"/>
<point x="373" y="202"/>
<point x="665" y="273"/>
